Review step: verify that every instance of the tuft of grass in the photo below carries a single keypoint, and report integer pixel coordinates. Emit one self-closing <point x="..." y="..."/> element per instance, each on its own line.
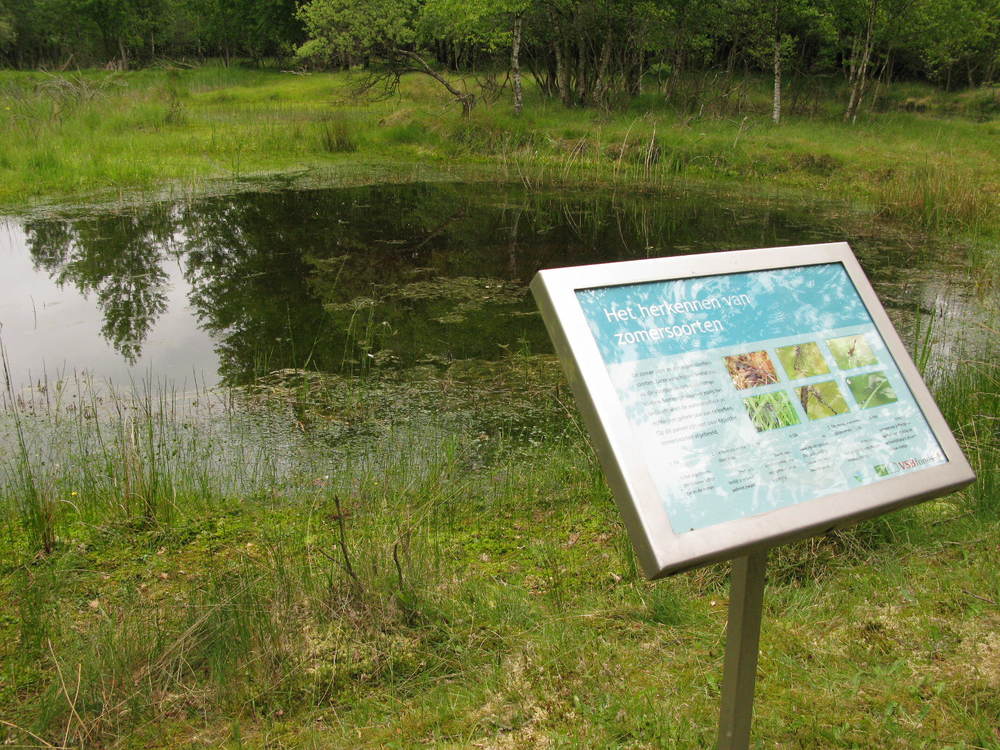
<point x="408" y="133"/>
<point x="969" y="398"/>
<point x="335" y="136"/>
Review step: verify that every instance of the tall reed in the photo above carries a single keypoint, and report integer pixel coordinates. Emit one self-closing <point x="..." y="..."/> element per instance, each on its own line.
<point x="969" y="398"/>
<point x="32" y="497"/>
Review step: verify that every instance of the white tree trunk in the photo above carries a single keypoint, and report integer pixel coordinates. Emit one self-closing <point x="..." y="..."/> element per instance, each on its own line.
<point x="859" y="68"/>
<point x="515" y="64"/>
<point x="776" y="112"/>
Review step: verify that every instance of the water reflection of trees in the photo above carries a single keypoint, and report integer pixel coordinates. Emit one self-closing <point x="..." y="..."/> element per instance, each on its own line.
<point x="343" y="279"/>
<point x="119" y="258"/>
<point x="249" y="284"/>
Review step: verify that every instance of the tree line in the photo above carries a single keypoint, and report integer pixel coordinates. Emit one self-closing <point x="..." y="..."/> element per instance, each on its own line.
<point x="124" y="34"/>
<point x="583" y="52"/>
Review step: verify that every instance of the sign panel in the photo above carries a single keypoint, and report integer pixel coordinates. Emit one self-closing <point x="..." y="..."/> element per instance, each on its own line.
<point x="741" y="399"/>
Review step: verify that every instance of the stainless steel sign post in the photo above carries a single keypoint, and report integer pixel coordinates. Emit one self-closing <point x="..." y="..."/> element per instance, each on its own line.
<point x="741" y="400"/>
<point x="739" y="674"/>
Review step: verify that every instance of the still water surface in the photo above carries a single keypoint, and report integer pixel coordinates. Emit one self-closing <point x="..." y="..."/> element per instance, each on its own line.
<point x="223" y="289"/>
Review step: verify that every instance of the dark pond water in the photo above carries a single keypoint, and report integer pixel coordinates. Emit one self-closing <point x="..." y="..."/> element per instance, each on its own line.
<point x="224" y="289"/>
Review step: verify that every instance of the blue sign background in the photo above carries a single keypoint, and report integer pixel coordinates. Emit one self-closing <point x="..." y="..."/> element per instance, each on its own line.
<point x="783" y="302"/>
<point x="666" y="344"/>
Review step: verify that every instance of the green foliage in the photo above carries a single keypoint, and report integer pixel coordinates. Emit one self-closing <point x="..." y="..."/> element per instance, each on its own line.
<point x="343" y="31"/>
<point x="8" y="33"/>
<point x="480" y="24"/>
<point x="126" y="33"/>
<point x="386" y="34"/>
<point x="959" y="35"/>
<point x="583" y="53"/>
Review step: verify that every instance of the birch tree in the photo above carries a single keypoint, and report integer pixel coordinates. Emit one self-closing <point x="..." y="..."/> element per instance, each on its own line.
<point x="489" y="26"/>
<point x="862" y="45"/>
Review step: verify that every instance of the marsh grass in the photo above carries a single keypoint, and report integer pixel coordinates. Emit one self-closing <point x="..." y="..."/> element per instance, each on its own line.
<point x="134" y="456"/>
<point x="931" y="198"/>
<point x="32" y="500"/>
<point x="335" y="136"/>
<point x="969" y="397"/>
<point x="432" y="580"/>
<point x="77" y="134"/>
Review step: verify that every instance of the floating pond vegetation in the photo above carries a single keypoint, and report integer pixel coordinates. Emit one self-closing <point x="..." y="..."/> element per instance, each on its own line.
<point x="770" y="411"/>
<point x="514" y="401"/>
<point x="802" y="360"/>
<point x="822" y="400"/>
<point x="872" y="389"/>
<point x="466" y="293"/>
<point x="751" y="369"/>
<point x="851" y="351"/>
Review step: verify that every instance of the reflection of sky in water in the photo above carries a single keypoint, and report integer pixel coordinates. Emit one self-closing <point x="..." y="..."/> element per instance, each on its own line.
<point x="550" y="230"/>
<point x="54" y="330"/>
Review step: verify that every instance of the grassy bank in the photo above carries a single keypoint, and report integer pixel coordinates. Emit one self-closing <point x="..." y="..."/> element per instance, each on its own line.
<point x="223" y="573"/>
<point x="925" y="158"/>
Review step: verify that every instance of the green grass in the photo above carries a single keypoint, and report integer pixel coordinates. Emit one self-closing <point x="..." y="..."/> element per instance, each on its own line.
<point x="84" y="134"/>
<point x="221" y="578"/>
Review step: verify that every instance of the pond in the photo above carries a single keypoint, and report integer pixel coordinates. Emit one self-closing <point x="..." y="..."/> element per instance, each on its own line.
<point x="222" y="290"/>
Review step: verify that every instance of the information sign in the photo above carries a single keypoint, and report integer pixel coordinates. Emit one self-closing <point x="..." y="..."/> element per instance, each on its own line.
<point x="738" y="400"/>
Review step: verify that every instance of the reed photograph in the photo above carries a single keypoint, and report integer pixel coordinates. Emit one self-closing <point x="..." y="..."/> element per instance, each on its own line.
<point x="771" y="411"/>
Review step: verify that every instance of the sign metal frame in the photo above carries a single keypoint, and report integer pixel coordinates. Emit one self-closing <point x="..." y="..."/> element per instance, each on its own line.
<point x="659" y="549"/>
